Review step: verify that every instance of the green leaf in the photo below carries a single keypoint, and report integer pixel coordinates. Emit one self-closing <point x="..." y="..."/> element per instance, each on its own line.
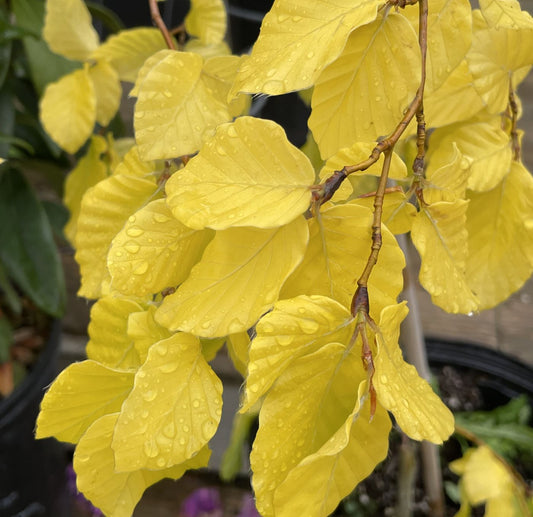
<point x="5" y="338"/>
<point x="11" y="296"/>
<point x="57" y="217"/>
<point x="7" y="121"/>
<point x="28" y="251"/>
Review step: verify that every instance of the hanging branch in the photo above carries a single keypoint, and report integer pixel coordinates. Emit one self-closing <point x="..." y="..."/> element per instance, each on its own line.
<point x="160" y="24"/>
<point x="513" y="108"/>
<point x="387" y="146"/>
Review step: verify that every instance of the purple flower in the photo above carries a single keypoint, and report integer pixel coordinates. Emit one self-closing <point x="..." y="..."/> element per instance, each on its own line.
<point x="248" y="507"/>
<point x="204" y="502"/>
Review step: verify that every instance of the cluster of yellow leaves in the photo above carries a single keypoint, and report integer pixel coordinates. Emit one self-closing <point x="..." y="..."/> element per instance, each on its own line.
<point x="485" y="478"/>
<point x="186" y="254"/>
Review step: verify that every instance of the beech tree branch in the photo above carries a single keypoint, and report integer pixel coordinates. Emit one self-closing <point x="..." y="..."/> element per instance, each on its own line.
<point x="513" y="108"/>
<point x="160" y="24"/>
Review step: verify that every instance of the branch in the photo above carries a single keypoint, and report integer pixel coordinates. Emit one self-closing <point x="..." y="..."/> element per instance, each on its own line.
<point x="156" y="18"/>
<point x="513" y="108"/>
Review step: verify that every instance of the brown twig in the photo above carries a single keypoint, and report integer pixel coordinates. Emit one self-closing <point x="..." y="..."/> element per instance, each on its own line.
<point x="156" y="18"/>
<point x="513" y="107"/>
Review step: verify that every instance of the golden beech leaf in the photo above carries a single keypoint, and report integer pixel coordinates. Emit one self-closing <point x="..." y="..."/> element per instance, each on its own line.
<point x="207" y="21"/>
<point x="297" y="40"/>
<point x="154" y="251"/>
<point x="176" y="109"/>
<point x="485" y="479"/>
<point x="450" y="37"/>
<point x="505" y="14"/>
<point x="117" y="493"/>
<point x="295" y="327"/>
<point x="483" y="141"/>
<point x="310" y="401"/>
<point x="353" y="85"/>
<point x="107" y="90"/>
<point x="68" y="110"/>
<point x="440" y="236"/>
<point x="68" y="29"/>
<point x="144" y="331"/>
<point x="339" y="245"/>
<point x="415" y="406"/>
<point x="132" y="165"/>
<point x="207" y="51"/>
<point x="210" y="347"/>
<point x="219" y="73"/>
<point x="237" y="280"/>
<point x="80" y="395"/>
<point x="129" y="49"/>
<point x="148" y="64"/>
<point x="455" y="101"/>
<point x="398" y="213"/>
<point x="238" y="345"/>
<point x="495" y="53"/>
<point x="109" y="341"/>
<point x="105" y="208"/>
<point x="316" y="486"/>
<point x="173" y="410"/>
<point x="90" y="170"/>
<point x="357" y="153"/>
<point x="500" y="237"/>
<point x="229" y="184"/>
<point x="446" y="180"/>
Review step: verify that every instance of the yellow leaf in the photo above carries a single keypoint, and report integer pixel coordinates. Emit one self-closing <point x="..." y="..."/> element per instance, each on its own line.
<point x="339" y="245"/>
<point x="297" y="40"/>
<point x="316" y="486"/>
<point x="68" y="29"/>
<point x="230" y="184"/>
<point x="109" y="341"/>
<point x="88" y="172"/>
<point x="207" y="21"/>
<point x="450" y="36"/>
<point x="357" y="153"/>
<point x="295" y="327"/>
<point x="68" y="110"/>
<point x="353" y="85"/>
<point x="237" y="280"/>
<point x="117" y="493"/>
<point x="219" y="73"/>
<point x="238" y="346"/>
<point x="132" y="165"/>
<point x="154" y="251"/>
<point x="440" y="236"/>
<point x="207" y="51"/>
<point x="105" y="208"/>
<point x="176" y="109"/>
<point x="173" y="410"/>
<point x="80" y="395"/>
<point x="310" y="401"/>
<point x="496" y="52"/>
<point x="398" y="213"/>
<point x="456" y="100"/>
<point x="505" y="14"/>
<point x="500" y="237"/>
<point x="147" y="66"/>
<point x="415" y="406"/>
<point x="446" y="179"/>
<point x="144" y="331"/>
<point x="129" y="49"/>
<point x="483" y="141"/>
<point x="210" y="347"/>
<point x="107" y="91"/>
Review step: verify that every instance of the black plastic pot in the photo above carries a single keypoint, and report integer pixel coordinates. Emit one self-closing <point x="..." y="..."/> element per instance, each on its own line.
<point x="498" y="376"/>
<point x="32" y="472"/>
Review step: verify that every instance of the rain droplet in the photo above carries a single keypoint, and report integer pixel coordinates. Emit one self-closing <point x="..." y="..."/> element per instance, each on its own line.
<point x="310" y="55"/>
<point x="169" y="430"/>
<point x="208" y="429"/>
<point x="134" y="231"/>
<point x="383" y="379"/>
<point x="221" y="151"/>
<point x="132" y="247"/>
<point x="169" y="367"/>
<point x="186" y="428"/>
<point x="161" y="462"/>
<point x="141" y="269"/>
<point x="167" y="94"/>
<point x="182" y="441"/>
<point x="285" y="340"/>
<point x="232" y="131"/>
<point x="151" y="449"/>
<point x="149" y="395"/>
<point x="195" y="403"/>
<point x="161" y="218"/>
<point x="272" y="72"/>
<point x="162" y="349"/>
